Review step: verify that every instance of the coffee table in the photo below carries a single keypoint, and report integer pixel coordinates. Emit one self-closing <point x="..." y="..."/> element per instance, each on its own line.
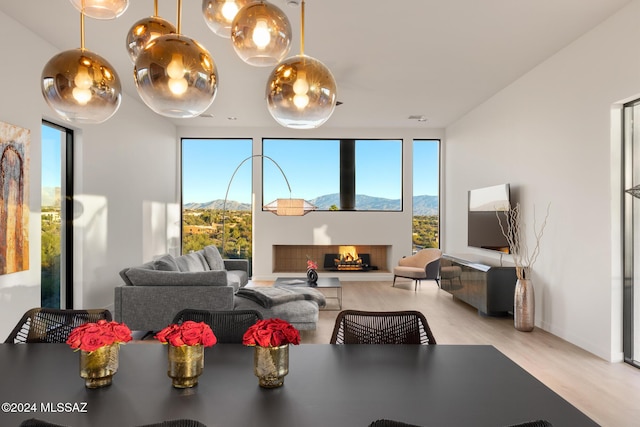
<point x="322" y="283"/>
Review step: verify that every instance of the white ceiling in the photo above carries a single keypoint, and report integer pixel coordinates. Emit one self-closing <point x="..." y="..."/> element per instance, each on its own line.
<point x="391" y="59"/>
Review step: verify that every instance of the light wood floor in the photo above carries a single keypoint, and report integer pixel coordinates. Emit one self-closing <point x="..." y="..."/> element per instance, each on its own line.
<point x="609" y="393"/>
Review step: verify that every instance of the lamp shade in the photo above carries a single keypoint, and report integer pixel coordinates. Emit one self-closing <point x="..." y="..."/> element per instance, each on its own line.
<point x="289" y="207"/>
<point x="176" y="76"/>
<point x="81" y="86"/>
<point x="219" y="14"/>
<point x="145" y="30"/>
<point x="301" y="93"/>
<point x="261" y="34"/>
<point x="101" y="9"/>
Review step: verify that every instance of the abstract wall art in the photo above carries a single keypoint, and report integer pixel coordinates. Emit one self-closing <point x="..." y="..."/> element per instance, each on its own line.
<point x="14" y="198"/>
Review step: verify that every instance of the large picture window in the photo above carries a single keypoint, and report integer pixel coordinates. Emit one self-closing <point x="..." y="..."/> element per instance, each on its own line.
<point x="207" y="168"/>
<point x="56" y="205"/>
<point x="426" y="194"/>
<point x="336" y="174"/>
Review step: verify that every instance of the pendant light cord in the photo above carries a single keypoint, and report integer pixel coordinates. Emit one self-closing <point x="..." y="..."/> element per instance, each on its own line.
<point x="302" y="28"/>
<point x="179" y="26"/>
<point x="155" y="8"/>
<point x="81" y="30"/>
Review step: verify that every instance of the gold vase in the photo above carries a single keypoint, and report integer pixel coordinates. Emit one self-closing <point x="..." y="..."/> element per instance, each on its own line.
<point x="98" y="367"/>
<point x="271" y="364"/>
<point x="524" y="308"/>
<point x="186" y="363"/>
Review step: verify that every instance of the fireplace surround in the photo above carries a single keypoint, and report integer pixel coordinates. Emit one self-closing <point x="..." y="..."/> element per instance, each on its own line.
<point x="293" y="258"/>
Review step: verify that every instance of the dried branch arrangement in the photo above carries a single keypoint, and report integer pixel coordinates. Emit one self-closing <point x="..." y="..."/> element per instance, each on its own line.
<point x="514" y="231"/>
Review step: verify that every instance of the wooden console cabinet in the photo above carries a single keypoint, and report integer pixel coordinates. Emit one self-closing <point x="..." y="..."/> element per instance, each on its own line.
<point x="480" y="282"/>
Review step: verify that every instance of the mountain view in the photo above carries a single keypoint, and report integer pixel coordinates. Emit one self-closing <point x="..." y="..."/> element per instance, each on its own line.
<point x="422" y="205"/>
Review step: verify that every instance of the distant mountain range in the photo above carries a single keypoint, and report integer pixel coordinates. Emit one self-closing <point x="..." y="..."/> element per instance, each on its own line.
<point x="50" y="196"/>
<point x="422" y="205"/>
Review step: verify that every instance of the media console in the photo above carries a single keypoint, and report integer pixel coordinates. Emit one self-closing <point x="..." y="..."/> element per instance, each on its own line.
<point x="483" y="283"/>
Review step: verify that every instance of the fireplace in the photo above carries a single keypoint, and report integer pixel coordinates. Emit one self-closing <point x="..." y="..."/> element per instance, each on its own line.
<point x="351" y="258"/>
<point x="348" y="259"/>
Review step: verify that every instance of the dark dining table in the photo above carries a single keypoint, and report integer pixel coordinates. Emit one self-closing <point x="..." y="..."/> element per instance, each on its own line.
<point x="327" y="385"/>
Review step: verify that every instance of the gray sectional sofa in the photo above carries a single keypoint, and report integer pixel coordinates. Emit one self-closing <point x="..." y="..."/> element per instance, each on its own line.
<point x="154" y="292"/>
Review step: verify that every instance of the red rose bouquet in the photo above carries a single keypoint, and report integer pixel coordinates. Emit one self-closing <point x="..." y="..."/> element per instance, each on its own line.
<point x="311" y="264"/>
<point x="187" y="333"/>
<point x="271" y="333"/>
<point x="92" y="336"/>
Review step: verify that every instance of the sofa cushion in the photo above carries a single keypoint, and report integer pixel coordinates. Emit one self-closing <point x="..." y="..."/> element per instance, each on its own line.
<point x="166" y="263"/>
<point x="302" y="314"/>
<point x="144" y="277"/>
<point x="146" y="266"/>
<point x="213" y="258"/>
<point x="234" y="279"/>
<point x="193" y="261"/>
<point x="269" y="296"/>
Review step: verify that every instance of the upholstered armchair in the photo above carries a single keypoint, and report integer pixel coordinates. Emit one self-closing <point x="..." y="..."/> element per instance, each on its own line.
<point x="424" y="265"/>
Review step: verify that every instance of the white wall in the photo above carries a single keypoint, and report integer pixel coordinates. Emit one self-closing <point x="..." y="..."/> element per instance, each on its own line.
<point x="551" y="135"/>
<point x="126" y="183"/>
<point x="326" y="228"/>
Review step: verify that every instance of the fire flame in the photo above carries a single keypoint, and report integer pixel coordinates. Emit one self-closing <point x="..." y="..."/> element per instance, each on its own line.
<point x="348" y="253"/>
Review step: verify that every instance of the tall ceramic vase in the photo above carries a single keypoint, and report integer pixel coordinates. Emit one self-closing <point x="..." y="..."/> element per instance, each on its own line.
<point x="524" y="306"/>
<point x="312" y="275"/>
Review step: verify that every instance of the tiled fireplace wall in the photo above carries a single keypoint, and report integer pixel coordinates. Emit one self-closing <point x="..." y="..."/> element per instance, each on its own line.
<point x="293" y="258"/>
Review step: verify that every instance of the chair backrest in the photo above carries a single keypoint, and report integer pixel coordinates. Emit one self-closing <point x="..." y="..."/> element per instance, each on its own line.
<point x="227" y="326"/>
<point x="35" y="422"/>
<point x="421" y="258"/>
<point x="177" y="423"/>
<point x="390" y="423"/>
<point x="537" y="423"/>
<point x="381" y="327"/>
<point x="52" y="325"/>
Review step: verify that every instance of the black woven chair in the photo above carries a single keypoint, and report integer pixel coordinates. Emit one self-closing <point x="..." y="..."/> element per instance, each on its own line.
<point x="537" y="423"/>
<point x="50" y="325"/>
<point x="228" y="326"/>
<point x="381" y="327"/>
<point x="390" y="423"/>
<point x="176" y="423"/>
<point x="34" y="422"/>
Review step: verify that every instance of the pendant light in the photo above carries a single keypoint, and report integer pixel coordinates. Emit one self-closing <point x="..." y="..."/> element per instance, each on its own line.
<point x="81" y="86"/>
<point x="261" y="34"/>
<point x="145" y="30"/>
<point x="219" y="14"/>
<point x="101" y="9"/>
<point x="301" y="91"/>
<point x="175" y="75"/>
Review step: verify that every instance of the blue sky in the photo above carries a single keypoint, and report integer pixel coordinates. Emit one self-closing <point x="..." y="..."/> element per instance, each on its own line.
<point x="310" y="166"/>
<point x="51" y="161"/>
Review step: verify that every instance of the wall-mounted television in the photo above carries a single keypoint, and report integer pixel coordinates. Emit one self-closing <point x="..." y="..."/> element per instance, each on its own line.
<point x="483" y="226"/>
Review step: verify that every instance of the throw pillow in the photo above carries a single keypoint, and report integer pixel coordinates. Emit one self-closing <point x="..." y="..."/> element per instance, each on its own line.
<point x="213" y="258"/>
<point x="166" y="263"/>
<point x="193" y="261"/>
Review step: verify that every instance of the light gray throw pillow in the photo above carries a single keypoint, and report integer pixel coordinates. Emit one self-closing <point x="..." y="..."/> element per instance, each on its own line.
<point x="213" y="258"/>
<point x="166" y="263"/>
<point x="193" y="261"/>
